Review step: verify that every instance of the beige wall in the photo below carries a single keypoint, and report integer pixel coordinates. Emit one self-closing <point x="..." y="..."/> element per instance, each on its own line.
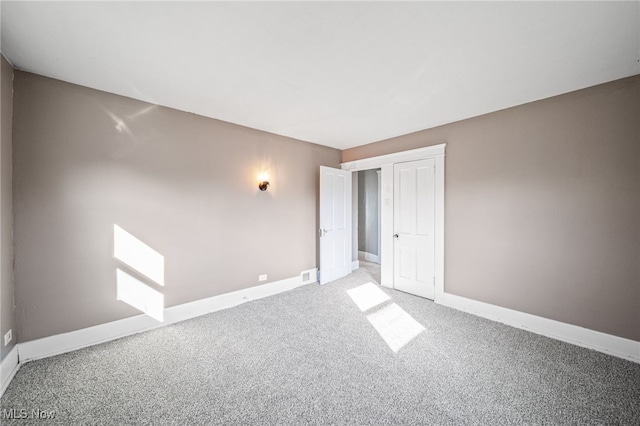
<point x="543" y="206"/>
<point x="183" y="184"/>
<point x="6" y="209"/>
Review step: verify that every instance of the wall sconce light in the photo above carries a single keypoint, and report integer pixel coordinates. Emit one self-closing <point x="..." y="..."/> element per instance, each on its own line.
<point x="264" y="181"/>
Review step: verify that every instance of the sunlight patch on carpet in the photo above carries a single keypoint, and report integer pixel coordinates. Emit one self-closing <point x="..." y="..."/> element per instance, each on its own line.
<point x="395" y="326"/>
<point x="367" y="296"/>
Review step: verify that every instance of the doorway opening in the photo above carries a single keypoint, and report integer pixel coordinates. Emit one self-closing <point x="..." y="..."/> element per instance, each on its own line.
<point x="366" y="216"/>
<point x="390" y="199"/>
<point x="366" y="221"/>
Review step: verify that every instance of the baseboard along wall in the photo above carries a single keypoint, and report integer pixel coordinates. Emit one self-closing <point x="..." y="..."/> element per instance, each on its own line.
<point x="579" y="336"/>
<point x="66" y="342"/>
<point x="363" y="255"/>
<point x="9" y="366"/>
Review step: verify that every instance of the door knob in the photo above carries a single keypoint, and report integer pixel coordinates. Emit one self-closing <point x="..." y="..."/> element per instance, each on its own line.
<point x="396" y="236"/>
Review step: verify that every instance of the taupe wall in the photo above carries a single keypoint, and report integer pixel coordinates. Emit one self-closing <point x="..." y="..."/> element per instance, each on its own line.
<point x="185" y="185"/>
<point x="543" y="206"/>
<point x="6" y="210"/>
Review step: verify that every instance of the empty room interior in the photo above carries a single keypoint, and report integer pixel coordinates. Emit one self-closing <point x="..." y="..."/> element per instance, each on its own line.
<point x="320" y="213"/>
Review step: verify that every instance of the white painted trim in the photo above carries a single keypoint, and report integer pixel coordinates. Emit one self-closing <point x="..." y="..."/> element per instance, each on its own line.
<point x="9" y="366"/>
<point x="66" y="342"/>
<point x="385" y="163"/>
<point x="363" y="255"/>
<point x="586" y="338"/>
<point x="14" y="67"/>
<point x="355" y="265"/>
<point x="313" y="276"/>
<point x="396" y="157"/>
<point x="379" y="176"/>
<point x="439" y="229"/>
<point x="386" y="226"/>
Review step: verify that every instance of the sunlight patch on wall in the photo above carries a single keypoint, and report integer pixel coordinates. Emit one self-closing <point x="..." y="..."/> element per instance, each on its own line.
<point x="141" y="258"/>
<point x="139" y="295"/>
<point x="137" y="255"/>
<point x="367" y="296"/>
<point x="395" y="326"/>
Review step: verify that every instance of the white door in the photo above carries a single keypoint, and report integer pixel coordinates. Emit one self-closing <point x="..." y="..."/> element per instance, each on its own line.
<point x="335" y="224"/>
<point x="414" y="227"/>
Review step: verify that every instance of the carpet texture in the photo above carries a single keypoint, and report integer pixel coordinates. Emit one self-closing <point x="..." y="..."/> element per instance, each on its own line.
<point x="311" y="356"/>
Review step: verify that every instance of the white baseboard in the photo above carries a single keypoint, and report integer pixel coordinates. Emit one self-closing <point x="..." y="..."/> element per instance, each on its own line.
<point x="355" y="265"/>
<point x="66" y="342"/>
<point x="363" y="255"/>
<point x="61" y="343"/>
<point x="9" y="366"/>
<point x="591" y="339"/>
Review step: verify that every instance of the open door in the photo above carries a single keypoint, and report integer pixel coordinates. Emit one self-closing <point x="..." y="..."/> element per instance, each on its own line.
<point x="335" y="224"/>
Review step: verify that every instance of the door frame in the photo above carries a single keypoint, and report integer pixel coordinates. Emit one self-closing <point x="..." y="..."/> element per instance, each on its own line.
<point x="385" y="163"/>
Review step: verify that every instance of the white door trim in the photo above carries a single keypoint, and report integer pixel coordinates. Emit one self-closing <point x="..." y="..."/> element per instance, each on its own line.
<point x="397" y="157"/>
<point x="379" y="211"/>
<point x="385" y="163"/>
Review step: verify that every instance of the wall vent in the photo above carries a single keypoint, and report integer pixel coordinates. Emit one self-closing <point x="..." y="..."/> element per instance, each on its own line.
<point x="309" y="276"/>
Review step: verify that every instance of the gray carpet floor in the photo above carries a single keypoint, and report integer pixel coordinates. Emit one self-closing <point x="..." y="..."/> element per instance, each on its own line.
<point x="311" y="356"/>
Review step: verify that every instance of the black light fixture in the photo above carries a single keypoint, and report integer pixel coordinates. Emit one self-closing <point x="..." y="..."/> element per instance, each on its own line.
<point x="264" y="181"/>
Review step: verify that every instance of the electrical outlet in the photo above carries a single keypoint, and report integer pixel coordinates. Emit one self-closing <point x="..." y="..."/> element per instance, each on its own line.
<point x="7" y="337"/>
<point x="262" y="277"/>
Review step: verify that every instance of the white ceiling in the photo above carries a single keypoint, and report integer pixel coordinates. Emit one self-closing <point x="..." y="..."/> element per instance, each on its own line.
<point x="334" y="73"/>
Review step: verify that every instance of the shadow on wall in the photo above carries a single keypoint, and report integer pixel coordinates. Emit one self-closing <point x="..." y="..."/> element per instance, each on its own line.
<point x="139" y="260"/>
